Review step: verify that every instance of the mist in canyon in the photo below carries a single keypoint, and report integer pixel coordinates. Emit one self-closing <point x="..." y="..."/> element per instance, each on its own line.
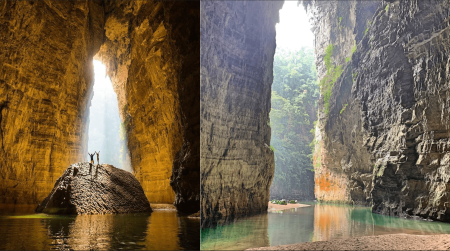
<point x="294" y="105"/>
<point x="106" y="130"/>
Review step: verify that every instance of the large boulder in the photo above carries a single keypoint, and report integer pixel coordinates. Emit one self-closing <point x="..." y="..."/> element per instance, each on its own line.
<point x="102" y="189"/>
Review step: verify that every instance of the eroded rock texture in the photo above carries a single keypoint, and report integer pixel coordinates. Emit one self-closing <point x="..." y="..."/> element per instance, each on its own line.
<point x="95" y="189"/>
<point x="46" y="50"/>
<point x="389" y="147"/>
<point x="152" y="55"/>
<point x="237" y="49"/>
<point x="151" y="51"/>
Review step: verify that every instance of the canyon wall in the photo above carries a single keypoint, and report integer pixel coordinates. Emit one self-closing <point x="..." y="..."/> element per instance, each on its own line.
<point x="46" y="75"/>
<point x="383" y="129"/>
<point x="237" y="49"/>
<point x="151" y="51"/>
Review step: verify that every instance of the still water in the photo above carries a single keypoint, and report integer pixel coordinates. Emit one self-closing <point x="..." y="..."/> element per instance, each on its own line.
<point x="318" y="222"/>
<point x="162" y="230"/>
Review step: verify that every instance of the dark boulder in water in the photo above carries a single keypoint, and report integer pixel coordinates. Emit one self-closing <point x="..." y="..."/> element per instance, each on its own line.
<point x="102" y="189"/>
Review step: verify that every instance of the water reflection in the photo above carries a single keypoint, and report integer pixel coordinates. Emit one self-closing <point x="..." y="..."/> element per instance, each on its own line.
<point x="162" y="230"/>
<point x="319" y="222"/>
<point x="242" y="234"/>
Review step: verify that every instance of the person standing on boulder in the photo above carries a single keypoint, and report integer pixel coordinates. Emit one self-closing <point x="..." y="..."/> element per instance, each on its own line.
<point x="98" y="157"/>
<point x="92" y="161"/>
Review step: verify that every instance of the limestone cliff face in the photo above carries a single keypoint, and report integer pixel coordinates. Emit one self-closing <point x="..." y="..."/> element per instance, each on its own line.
<point x="152" y="55"/>
<point x="151" y="51"/>
<point x="389" y="146"/>
<point x="45" y="82"/>
<point x="237" y="49"/>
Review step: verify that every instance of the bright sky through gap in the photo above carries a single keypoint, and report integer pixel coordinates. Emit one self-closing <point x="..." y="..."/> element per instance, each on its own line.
<point x="294" y="30"/>
<point x="105" y="124"/>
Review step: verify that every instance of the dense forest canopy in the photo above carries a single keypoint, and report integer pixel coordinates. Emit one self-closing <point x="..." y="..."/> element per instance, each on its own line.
<point x="295" y="92"/>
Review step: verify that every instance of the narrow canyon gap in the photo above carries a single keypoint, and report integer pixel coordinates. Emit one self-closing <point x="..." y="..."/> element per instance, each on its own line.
<point x="294" y="97"/>
<point x="382" y="136"/>
<point x="106" y="130"/>
<point x="151" y="52"/>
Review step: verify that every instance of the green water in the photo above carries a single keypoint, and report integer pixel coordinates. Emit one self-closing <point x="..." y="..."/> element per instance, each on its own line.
<point x="162" y="230"/>
<point x="317" y="222"/>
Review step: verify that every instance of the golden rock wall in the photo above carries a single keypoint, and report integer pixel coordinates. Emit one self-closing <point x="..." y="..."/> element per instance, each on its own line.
<point x="151" y="51"/>
<point x="46" y="50"/>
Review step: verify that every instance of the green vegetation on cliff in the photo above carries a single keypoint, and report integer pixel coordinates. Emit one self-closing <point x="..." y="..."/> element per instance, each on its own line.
<point x="294" y="109"/>
<point x="327" y="82"/>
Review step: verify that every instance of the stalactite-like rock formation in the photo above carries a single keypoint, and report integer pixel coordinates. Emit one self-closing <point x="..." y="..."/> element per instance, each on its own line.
<point x="151" y="51"/>
<point x="237" y="49"/>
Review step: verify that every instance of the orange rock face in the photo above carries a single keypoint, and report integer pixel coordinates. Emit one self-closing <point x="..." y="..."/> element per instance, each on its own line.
<point x="144" y="52"/>
<point x="151" y="51"/>
<point x="45" y="77"/>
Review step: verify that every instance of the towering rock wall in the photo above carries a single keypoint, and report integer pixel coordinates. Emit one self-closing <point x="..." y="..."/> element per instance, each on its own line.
<point x="237" y="49"/>
<point x="389" y="147"/>
<point x="46" y="50"/>
<point x="151" y="51"/>
<point x="338" y="27"/>
<point x="152" y="55"/>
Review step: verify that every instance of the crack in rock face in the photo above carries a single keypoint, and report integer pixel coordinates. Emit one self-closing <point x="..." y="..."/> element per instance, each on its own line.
<point x="95" y="189"/>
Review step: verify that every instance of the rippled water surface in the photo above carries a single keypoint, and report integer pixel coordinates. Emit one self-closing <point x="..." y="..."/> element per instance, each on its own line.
<point x="162" y="230"/>
<point x="317" y="222"/>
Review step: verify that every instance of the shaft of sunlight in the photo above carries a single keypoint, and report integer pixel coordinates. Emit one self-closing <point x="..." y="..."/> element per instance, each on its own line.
<point x="294" y="29"/>
<point x="105" y="131"/>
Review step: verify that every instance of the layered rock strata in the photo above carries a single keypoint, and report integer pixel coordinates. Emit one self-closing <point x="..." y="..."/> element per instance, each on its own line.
<point x="237" y="49"/>
<point x="95" y="189"/>
<point x="45" y="81"/>
<point x="151" y="51"/>
<point x="388" y="148"/>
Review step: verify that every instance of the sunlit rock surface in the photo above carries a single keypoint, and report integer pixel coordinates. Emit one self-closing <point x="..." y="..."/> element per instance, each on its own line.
<point x="151" y="51"/>
<point x="389" y="147"/>
<point x="237" y="49"/>
<point x="95" y="189"/>
<point x="46" y="50"/>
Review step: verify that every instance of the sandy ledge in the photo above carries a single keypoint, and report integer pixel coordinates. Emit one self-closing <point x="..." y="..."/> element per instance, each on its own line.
<point x="169" y="207"/>
<point x="380" y="242"/>
<point x="283" y="207"/>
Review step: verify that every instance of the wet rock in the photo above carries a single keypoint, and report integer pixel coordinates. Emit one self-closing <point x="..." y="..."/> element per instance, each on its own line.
<point x="92" y="189"/>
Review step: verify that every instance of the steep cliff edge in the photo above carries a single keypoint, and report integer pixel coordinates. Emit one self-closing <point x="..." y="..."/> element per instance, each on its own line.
<point x="389" y="146"/>
<point x="151" y="51"/>
<point x="237" y="49"/>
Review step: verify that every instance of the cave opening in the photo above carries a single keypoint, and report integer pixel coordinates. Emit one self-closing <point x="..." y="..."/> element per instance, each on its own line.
<point x="294" y="97"/>
<point x="106" y="132"/>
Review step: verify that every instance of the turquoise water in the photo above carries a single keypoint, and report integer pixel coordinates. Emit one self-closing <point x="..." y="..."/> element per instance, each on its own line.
<point x="318" y="222"/>
<point x="162" y="230"/>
